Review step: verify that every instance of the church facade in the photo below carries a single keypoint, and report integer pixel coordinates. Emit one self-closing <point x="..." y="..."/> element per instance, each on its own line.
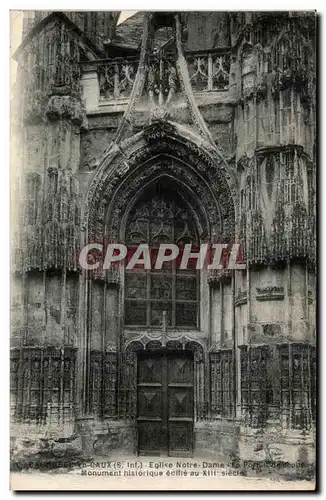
<point x="166" y="128"/>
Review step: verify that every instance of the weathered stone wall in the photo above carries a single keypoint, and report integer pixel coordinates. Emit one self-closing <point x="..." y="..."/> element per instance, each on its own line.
<point x="207" y="30"/>
<point x="217" y="439"/>
<point x="49" y="114"/>
<point x="275" y="447"/>
<point x="263" y="125"/>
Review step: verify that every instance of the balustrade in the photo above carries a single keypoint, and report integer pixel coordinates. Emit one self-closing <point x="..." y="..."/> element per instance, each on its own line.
<point x="116" y="78"/>
<point x="278" y="385"/>
<point x="42" y="383"/>
<point x="208" y="71"/>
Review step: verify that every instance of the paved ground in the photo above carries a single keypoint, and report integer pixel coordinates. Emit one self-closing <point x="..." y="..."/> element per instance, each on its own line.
<point x="145" y="473"/>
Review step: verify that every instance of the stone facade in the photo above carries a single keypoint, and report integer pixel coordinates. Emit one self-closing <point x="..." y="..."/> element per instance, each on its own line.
<point x="225" y="113"/>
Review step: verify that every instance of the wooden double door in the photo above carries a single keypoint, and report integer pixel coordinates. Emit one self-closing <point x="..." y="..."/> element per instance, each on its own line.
<point x="165" y="403"/>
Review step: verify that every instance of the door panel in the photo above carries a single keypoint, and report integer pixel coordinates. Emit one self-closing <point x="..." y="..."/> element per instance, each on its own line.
<point x="150" y="369"/>
<point x="180" y="403"/>
<point x="165" y="403"/>
<point x="180" y="368"/>
<point x="180" y="439"/>
<point x="150" y="403"/>
<point x="149" y="437"/>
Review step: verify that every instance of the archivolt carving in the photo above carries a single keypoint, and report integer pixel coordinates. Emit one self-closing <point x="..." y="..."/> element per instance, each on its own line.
<point x="197" y="349"/>
<point x="201" y="168"/>
<point x="207" y="211"/>
<point x="135" y="345"/>
<point x="174" y="345"/>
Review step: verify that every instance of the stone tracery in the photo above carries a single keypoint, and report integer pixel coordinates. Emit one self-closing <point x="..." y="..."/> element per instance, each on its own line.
<point x="264" y="194"/>
<point x="102" y="189"/>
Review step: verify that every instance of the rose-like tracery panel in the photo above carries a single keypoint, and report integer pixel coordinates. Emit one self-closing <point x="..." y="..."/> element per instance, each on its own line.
<point x="192" y="188"/>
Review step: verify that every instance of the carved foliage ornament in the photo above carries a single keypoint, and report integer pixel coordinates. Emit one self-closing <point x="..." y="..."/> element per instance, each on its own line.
<point x="181" y="343"/>
<point x="47" y="236"/>
<point x="293" y="60"/>
<point x="49" y="66"/>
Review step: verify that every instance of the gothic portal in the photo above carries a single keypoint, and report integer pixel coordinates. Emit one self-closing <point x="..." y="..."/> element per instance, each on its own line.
<point x="167" y="128"/>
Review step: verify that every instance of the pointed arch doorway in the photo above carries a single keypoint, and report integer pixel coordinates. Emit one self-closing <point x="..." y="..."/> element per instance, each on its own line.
<point x="163" y="211"/>
<point x="165" y="403"/>
<point x="193" y="194"/>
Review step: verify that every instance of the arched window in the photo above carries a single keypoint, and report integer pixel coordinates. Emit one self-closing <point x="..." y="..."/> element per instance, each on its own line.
<point x="161" y="215"/>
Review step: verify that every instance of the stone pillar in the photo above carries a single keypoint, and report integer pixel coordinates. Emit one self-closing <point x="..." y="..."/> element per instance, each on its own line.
<point x="216" y="314"/>
<point x="274" y="163"/>
<point x="298" y="291"/>
<point x="91" y="87"/>
<point x="47" y="232"/>
<point x="112" y="322"/>
<point x="228" y="316"/>
<point x="200" y="388"/>
<point x="112" y="345"/>
<point x="85" y="427"/>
